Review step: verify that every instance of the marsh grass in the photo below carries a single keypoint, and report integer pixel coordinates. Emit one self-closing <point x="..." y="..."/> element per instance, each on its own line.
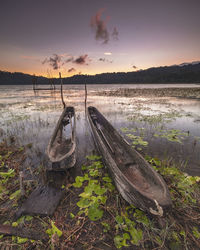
<point x="153" y="92"/>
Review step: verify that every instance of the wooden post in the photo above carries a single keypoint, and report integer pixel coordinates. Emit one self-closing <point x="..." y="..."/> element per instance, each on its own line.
<point x="61" y="90"/>
<point x="34" y="82"/>
<point x="85" y="97"/>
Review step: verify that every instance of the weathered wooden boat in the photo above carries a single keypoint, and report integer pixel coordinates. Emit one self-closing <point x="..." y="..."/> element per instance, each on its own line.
<point x="61" y="150"/>
<point x="138" y="183"/>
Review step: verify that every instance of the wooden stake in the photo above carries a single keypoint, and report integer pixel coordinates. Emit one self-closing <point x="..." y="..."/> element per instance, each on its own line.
<point x="61" y="90"/>
<point x="85" y="97"/>
<point x="85" y="92"/>
<point x="34" y="82"/>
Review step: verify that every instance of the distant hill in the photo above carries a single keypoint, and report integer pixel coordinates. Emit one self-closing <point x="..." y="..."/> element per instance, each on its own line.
<point x="17" y="78"/>
<point x="183" y="73"/>
<point x="189" y="73"/>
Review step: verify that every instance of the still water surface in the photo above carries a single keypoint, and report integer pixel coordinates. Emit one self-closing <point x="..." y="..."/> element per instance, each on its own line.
<point x="31" y="118"/>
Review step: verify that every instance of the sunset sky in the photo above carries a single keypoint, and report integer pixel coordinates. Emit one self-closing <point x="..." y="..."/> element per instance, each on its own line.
<point x="96" y="36"/>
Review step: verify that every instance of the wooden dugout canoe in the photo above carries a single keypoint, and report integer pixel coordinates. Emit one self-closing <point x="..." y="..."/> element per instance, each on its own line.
<point x="138" y="183"/>
<point x="61" y="150"/>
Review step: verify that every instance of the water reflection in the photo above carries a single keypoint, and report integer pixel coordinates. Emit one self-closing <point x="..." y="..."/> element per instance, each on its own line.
<point x="32" y="116"/>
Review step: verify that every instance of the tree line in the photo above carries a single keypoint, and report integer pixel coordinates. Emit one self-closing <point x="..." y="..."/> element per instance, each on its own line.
<point x="169" y="74"/>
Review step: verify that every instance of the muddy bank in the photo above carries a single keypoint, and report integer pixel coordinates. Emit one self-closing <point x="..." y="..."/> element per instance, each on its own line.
<point x="160" y="92"/>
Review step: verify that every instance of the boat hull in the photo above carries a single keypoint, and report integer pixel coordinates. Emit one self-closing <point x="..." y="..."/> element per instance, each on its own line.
<point x="131" y="189"/>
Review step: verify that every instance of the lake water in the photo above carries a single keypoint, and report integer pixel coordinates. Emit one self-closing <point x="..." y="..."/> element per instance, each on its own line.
<point x="169" y="125"/>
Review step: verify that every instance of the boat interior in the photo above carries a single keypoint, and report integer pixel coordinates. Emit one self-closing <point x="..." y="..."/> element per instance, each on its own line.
<point x="64" y="138"/>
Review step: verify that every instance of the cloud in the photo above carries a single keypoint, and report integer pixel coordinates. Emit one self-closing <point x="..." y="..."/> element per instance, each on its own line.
<point x="81" y="60"/>
<point x="32" y="58"/>
<point x="55" y="61"/>
<point x="107" y="53"/>
<point x="70" y="59"/>
<point x="71" y="70"/>
<point x="99" y="25"/>
<point x="64" y="55"/>
<point x="45" y="61"/>
<point x="134" y="67"/>
<point x="115" y="34"/>
<point x="105" y="60"/>
<point x="102" y="59"/>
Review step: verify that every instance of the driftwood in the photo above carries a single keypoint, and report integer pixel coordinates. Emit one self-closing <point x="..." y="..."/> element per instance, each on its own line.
<point x="23" y="232"/>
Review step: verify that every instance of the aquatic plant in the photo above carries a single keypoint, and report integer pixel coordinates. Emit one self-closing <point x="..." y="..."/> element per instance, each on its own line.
<point x="173" y="135"/>
<point x="137" y="141"/>
<point x="93" y="196"/>
<point x="154" y="119"/>
<point x="130" y="229"/>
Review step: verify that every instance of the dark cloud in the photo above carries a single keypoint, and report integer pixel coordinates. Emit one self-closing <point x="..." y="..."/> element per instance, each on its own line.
<point x="105" y="60"/>
<point x="101" y="32"/>
<point x="81" y="60"/>
<point x="54" y="61"/>
<point x="45" y="61"/>
<point x="71" y="70"/>
<point x="102" y="59"/>
<point x="134" y="67"/>
<point x="57" y="61"/>
<point x="115" y="34"/>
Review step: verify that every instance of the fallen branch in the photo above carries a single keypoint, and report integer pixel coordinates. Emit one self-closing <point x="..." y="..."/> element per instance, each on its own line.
<point x="76" y="230"/>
